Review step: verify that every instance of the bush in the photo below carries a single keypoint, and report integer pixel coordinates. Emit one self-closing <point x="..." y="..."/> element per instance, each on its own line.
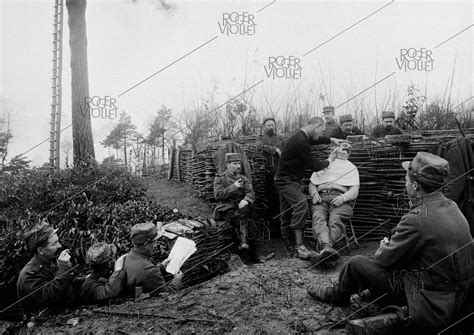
<point x="86" y="206"/>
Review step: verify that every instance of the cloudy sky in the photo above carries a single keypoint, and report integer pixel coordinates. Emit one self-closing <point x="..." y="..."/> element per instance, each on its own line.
<point x="333" y="51"/>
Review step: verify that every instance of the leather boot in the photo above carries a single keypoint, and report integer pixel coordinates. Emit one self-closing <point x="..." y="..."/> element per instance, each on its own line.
<point x="301" y="251"/>
<point x="290" y="246"/>
<point x="327" y="253"/>
<point x="243" y="235"/>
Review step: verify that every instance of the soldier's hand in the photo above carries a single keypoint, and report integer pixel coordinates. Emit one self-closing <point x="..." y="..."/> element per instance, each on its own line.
<point x="179" y="275"/>
<point x="338" y="141"/>
<point x="316" y="198"/>
<point x="166" y="261"/>
<point x="337" y="201"/>
<point x="332" y="156"/>
<point x="119" y="263"/>
<point x="385" y="241"/>
<point x="278" y="151"/>
<point x="64" y="258"/>
<point x="243" y="203"/>
<point x="238" y="183"/>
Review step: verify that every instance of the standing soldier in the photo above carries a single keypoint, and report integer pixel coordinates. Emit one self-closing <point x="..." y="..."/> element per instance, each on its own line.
<point x="46" y="280"/>
<point x="331" y="124"/>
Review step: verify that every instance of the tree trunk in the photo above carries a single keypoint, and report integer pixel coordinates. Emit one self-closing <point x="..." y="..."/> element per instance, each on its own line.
<point x="125" y="149"/>
<point x="83" y="144"/>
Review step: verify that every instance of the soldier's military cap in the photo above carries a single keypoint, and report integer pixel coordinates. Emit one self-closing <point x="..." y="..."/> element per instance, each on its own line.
<point x="428" y="168"/>
<point x="101" y="253"/>
<point x="232" y="157"/>
<point x="345" y="118"/>
<point x="143" y="232"/>
<point x="39" y="235"/>
<point x="386" y="114"/>
<point x="328" y="109"/>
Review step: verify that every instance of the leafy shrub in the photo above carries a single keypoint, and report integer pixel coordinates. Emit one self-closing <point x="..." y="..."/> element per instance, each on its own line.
<point x="86" y="206"/>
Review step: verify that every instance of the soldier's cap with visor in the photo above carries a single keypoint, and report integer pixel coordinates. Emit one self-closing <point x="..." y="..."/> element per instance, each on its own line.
<point x="427" y="168"/>
<point x="328" y="109"/>
<point x="345" y="118"/>
<point x="100" y="253"/>
<point x="142" y="233"/>
<point x="38" y="236"/>
<point x="232" y="157"/>
<point x="388" y="114"/>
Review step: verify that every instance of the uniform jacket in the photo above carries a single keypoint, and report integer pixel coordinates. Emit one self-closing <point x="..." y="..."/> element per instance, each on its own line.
<point x="338" y="133"/>
<point x="433" y="242"/>
<point x="96" y="289"/>
<point x="229" y="196"/>
<point x="330" y="128"/>
<point x="459" y="186"/>
<point x="380" y="131"/>
<point x="37" y="273"/>
<point x="296" y="156"/>
<point x="140" y="271"/>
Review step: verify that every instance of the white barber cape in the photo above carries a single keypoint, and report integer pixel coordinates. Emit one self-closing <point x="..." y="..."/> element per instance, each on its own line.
<point x="339" y="171"/>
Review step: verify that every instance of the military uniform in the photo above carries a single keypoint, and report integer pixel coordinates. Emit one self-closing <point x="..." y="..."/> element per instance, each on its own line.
<point x="339" y="133"/>
<point x="96" y="288"/>
<point x="139" y="269"/>
<point x="381" y="131"/>
<point x="428" y="261"/>
<point x="36" y="273"/>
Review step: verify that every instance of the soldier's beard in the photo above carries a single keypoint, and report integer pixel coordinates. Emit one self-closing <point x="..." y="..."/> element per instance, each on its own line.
<point x="270" y="132"/>
<point x="388" y="127"/>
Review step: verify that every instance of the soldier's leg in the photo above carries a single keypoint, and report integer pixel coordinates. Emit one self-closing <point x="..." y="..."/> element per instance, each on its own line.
<point x="338" y="219"/>
<point x="319" y="214"/>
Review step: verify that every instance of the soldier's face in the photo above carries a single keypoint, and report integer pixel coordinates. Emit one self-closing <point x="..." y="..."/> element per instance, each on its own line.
<point x="234" y="167"/>
<point x="388" y="122"/>
<point x="347" y="127"/>
<point x="328" y="117"/>
<point x="52" y="249"/>
<point x="269" y="126"/>
<point x="317" y="131"/>
<point x="410" y="186"/>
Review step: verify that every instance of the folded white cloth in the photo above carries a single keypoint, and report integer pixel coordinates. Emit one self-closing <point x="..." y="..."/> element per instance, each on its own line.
<point x="339" y="171"/>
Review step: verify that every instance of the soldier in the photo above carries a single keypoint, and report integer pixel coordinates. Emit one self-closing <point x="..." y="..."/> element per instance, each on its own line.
<point x="387" y="127"/>
<point x="98" y="287"/>
<point x="333" y="191"/>
<point x="428" y="262"/>
<point x="331" y="124"/>
<point x="347" y="128"/>
<point x="139" y="269"/>
<point x="235" y="197"/>
<point x="46" y="280"/>
<point x="296" y="157"/>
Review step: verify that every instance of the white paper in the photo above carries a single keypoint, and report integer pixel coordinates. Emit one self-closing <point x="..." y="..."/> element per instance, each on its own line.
<point x="182" y="249"/>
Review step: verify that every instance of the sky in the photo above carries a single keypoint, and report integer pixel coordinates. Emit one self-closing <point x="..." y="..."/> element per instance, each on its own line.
<point x="344" y="53"/>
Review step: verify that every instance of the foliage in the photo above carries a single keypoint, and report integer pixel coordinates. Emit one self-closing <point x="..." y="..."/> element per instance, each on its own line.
<point x="406" y="120"/>
<point x="85" y="205"/>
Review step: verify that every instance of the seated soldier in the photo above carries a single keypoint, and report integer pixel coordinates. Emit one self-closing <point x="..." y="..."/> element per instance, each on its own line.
<point x="235" y="197"/>
<point x="387" y="127"/>
<point x="98" y="287"/>
<point x="333" y="191"/>
<point x="46" y="280"/>
<point x="346" y="128"/>
<point x="139" y="269"/>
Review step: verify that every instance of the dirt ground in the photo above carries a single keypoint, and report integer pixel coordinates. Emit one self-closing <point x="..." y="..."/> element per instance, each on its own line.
<point x="264" y="298"/>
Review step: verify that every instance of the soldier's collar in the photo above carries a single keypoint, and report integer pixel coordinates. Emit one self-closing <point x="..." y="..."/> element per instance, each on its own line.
<point x="426" y="197"/>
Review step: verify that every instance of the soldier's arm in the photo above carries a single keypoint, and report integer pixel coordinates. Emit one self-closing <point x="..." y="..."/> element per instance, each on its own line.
<point x="111" y="288"/>
<point x="49" y="292"/>
<point x="221" y="190"/>
<point x="154" y="281"/>
<point x="351" y="193"/>
<point x="403" y="245"/>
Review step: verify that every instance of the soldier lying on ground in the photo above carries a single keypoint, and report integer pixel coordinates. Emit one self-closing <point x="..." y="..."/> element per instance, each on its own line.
<point x="98" y="287"/>
<point x="139" y="269"/>
<point x="46" y="280"/>
<point x="431" y="245"/>
<point x="333" y="191"/>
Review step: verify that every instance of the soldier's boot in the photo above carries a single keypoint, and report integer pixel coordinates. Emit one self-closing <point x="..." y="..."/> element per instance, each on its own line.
<point x="243" y="235"/>
<point x="301" y="251"/>
<point x="329" y="294"/>
<point x="290" y="246"/>
<point x="328" y="253"/>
